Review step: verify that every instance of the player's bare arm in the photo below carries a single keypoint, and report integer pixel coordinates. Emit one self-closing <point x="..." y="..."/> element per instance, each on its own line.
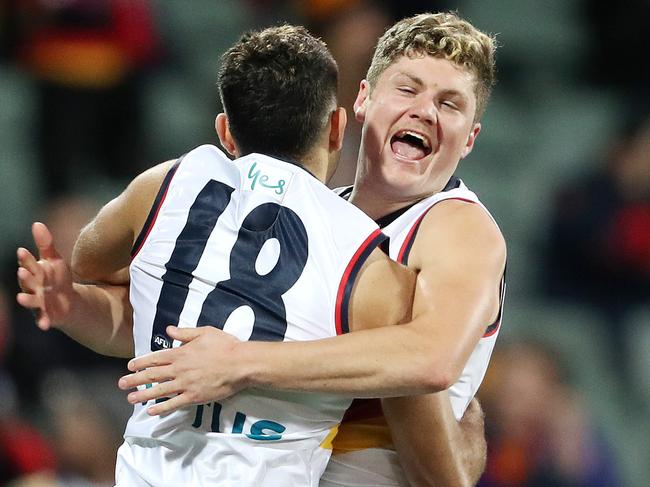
<point x="97" y="316"/>
<point x="382" y="295"/>
<point x="452" y="455"/>
<point x="451" y="310"/>
<point x="103" y="248"/>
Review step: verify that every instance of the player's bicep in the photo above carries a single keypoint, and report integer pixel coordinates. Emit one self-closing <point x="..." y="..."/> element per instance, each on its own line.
<point x="102" y="251"/>
<point x="382" y="294"/>
<point x="461" y="260"/>
<point x="103" y="246"/>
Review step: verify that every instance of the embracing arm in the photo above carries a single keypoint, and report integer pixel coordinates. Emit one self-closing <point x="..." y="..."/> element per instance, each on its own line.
<point x="456" y="298"/>
<point x="435" y="449"/>
<point x="460" y="255"/>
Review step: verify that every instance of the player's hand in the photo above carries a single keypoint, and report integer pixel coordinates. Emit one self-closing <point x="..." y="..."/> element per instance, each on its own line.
<point x="46" y="283"/>
<point x="202" y="370"/>
<point x="472" y="426"/>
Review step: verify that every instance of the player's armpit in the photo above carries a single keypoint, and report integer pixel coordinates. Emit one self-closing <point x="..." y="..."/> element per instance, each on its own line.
<point x="103" y="248"/>
<point x="382" y="294"/>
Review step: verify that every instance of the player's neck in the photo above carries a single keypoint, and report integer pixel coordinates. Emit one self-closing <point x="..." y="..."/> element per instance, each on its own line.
<point x="374" y="202"/>
<point x="316" y="162"/>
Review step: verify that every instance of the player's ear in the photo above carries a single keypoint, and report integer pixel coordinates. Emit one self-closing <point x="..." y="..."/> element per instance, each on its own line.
<point x="360" y="102"/>
<point x="225" y="137"/>
<point x="471" y="138"/>
<point x="338" y="121"/>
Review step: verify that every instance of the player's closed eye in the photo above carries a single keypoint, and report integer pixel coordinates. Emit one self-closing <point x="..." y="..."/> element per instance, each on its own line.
<point x="406" y="89"/>
<point x="449" y="104"/>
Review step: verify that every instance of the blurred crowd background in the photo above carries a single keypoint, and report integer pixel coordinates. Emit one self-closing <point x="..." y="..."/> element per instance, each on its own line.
<point x="94" y="91"/>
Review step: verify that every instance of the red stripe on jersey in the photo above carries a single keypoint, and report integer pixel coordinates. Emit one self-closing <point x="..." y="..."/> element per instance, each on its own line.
<point x="349" y="275"/>
<point x="402" y="256"/>
<point x="155" y="209"/>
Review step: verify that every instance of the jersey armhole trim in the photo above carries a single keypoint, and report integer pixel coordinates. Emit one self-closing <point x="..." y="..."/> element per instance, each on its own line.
<point x="155" y="209"/>
<point x="494" y="327"/>
<point x="405" y="250"/>
<point x="349" y="277"/>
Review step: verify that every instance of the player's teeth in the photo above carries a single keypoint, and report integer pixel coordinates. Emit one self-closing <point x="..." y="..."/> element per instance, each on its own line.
<point x="413" y="134"/>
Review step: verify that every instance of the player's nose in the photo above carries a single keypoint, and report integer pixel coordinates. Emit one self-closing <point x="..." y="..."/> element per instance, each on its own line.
<point x="425" y="110"/>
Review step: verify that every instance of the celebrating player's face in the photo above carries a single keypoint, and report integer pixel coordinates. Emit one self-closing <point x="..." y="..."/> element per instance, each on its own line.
<point x="418" y="123"/>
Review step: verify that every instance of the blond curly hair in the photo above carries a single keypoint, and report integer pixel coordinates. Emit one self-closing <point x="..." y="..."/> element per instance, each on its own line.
<point x="442" y="35"/>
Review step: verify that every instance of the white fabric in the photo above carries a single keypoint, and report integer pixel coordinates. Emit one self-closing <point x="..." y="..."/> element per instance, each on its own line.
<point x="212" y="444"/>
<point x="376" y="466"/>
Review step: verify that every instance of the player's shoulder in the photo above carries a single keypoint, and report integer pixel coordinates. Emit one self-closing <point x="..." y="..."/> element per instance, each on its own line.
<point x="209" y="151"/>
<point x="203" y="158"/>
<point x="462" y="226"/>
<point x="463" y="217"/>
<point x="147" y="183"/>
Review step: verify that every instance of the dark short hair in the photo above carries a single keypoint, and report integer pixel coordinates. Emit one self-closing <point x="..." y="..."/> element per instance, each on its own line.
<point x="278" y="87"/>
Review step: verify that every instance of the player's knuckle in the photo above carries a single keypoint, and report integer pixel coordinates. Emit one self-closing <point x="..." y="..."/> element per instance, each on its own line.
<point x="193" y="396"/>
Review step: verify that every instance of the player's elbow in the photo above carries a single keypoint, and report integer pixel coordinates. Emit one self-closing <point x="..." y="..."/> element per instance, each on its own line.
<point x="442" y="379"/>
<point x="80" y="268"/>
<point x="435" y="375"/>
<point x="84" y="269"/>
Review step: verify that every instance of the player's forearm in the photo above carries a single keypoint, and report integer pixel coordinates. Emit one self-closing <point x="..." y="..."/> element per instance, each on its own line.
<point x="391" y="361"/>
<point x="101" y="319"/>
<point x="425" y="440"/>
<point x="430" y="443"/>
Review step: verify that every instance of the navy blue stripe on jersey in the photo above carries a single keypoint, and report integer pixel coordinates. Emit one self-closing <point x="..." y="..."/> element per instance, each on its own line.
<point x="155" y="208"/>
<point x="453" y="183"/>
<point x="346" y="192"/>
<point x="190" y="244"/>
<point x="386" y="220"/>
<point x="494" y="327"/>
<point x="385" y="246"/>
<point x="349" y="278"/>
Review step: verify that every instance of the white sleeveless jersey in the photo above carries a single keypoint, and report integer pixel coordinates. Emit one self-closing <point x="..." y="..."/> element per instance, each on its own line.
<point x="363" y="452"/>
<point x="262" y="249"/>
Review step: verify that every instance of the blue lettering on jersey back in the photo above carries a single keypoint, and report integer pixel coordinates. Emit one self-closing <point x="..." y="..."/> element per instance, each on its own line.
<point x="262" y="430"/>
<point x="263" y="294"/>
<point x="246" y="287"/>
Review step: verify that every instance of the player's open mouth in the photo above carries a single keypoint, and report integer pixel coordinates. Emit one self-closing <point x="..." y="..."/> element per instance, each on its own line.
<point x="410" y="145"/>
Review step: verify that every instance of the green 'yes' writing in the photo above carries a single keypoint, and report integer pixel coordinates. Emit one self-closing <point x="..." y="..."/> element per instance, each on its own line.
<point x="257" y="177"/>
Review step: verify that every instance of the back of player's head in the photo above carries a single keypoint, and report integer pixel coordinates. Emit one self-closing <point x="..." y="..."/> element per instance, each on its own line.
<point x="278" y="88"/>
<point x="443" y="35"/>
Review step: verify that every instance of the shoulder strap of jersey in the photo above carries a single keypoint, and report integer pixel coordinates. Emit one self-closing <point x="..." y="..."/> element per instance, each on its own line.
<point x="155" y="208"/>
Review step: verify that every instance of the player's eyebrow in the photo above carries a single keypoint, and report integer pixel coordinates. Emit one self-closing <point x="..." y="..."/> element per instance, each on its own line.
<point x="415" y="79"/>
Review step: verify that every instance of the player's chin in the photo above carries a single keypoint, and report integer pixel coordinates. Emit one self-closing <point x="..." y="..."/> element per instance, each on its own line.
<point x="402" y="186"/>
